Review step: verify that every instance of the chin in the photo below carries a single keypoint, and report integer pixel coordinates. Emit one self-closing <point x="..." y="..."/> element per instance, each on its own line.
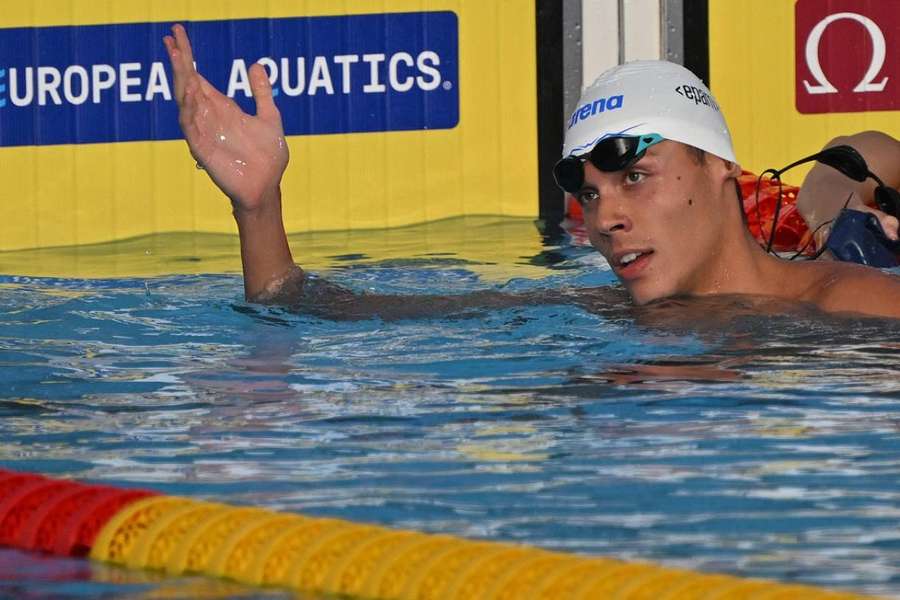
<point x="649" y="292"/>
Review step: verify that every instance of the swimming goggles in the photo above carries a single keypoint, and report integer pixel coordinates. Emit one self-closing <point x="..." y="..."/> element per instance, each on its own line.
<point x="611" y="154"/>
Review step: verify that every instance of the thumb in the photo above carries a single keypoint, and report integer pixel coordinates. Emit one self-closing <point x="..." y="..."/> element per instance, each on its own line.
<point x="262" y="93"/>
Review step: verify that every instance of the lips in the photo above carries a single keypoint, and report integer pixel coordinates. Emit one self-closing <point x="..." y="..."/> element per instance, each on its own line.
<point x="630" y="264"/>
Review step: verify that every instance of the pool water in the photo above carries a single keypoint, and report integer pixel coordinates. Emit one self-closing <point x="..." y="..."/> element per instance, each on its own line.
<point x="694" y="434"/>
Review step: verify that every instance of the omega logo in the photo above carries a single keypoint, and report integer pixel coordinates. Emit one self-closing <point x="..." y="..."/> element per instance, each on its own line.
<point x="867" y="83"/>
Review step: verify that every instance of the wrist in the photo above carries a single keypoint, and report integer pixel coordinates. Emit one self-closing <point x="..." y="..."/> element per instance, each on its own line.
<point x="267" y="205"/>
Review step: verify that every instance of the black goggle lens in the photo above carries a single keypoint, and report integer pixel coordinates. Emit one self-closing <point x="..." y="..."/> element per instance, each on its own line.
<point x="610" y="155"/>
<point x="615" y="154"/>
<point x="569" y="174"/>
<point x="888" y="200"/>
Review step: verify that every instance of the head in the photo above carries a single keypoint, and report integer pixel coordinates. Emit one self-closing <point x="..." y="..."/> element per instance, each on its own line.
<point x="649" y="157"/>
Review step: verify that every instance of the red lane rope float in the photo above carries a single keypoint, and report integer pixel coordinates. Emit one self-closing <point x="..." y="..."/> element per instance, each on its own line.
<point x="42" y="530"/>
<point x="18" y="508"/>
<point x="141" y="529"/>
<point x="56" y="516"/>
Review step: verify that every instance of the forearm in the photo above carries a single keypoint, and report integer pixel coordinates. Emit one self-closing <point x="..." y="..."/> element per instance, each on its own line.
<point x="265" y="255"/>
<point x="825" y="191"/>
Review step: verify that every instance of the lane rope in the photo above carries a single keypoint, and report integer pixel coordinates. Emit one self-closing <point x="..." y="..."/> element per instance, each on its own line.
<point x="142" y="529"/>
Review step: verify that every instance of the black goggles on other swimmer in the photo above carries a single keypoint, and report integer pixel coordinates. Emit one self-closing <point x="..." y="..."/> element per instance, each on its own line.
<point x="611" y="154"/>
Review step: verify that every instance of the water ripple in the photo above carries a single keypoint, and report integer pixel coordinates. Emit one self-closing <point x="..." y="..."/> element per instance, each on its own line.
<point x="764" y="446"/>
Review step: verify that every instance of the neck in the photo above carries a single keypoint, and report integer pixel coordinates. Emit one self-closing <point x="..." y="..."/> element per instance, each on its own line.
<point x="739" y="265"/>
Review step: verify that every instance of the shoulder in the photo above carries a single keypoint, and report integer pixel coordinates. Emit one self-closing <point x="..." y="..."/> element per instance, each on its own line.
<point x="845" y="287"/>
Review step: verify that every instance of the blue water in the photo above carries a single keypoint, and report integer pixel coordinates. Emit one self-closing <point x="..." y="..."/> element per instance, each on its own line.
<point x="697" y="435"/>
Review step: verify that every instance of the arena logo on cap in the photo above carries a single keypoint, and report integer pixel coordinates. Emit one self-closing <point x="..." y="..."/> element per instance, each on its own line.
<point x="846" y="56"/>
<point x="345" y="74"/>
<point x="597" y="106"/>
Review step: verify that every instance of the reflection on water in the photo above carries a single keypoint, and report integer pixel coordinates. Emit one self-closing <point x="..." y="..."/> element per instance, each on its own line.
<point x="708" y="435"/>
<point x="29" y="577"/>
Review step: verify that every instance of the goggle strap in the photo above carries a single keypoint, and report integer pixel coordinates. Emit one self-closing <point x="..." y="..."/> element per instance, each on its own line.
<point x="646" y="141"/>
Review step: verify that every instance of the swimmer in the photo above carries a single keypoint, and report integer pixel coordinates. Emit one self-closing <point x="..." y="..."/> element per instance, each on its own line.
<point x="652" y="166"/>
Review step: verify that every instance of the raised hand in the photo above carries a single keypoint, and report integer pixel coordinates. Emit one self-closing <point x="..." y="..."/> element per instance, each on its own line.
<point x="244" y="155"/>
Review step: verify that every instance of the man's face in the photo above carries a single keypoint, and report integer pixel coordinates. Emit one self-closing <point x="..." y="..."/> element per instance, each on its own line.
<point x="656" y="222"/>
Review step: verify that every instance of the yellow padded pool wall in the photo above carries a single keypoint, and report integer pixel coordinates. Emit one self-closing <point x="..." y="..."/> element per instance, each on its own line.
<point x="410" y="111"/>
<point x="793" y="74"/>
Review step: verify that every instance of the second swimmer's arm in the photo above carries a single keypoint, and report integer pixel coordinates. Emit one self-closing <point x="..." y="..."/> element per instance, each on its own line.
<point x="825" y="191"/>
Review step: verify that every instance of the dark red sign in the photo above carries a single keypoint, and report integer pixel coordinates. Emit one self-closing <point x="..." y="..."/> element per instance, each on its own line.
<point x="847" y="55"/>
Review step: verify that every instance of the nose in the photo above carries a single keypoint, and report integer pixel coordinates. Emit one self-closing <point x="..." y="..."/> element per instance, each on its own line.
<point x="608" y="214"/>
<point x="609" y="217"/>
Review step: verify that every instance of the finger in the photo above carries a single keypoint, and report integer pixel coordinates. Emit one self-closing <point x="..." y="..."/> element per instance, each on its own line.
<point x="181" y="58"/>
<point x="200" y="113"/>
<point x="262" y="93"/>
<point x="891" y="226"/>
<point x="177" y="71"/>
<point x="184" y="46"/>
<point x="188" y="110"/>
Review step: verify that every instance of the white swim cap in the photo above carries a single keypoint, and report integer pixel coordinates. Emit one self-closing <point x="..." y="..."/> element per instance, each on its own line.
<point x="648" y="96"/>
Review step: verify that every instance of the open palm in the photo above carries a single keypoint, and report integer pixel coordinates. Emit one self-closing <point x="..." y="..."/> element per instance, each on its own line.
<point x="244" y="155"/>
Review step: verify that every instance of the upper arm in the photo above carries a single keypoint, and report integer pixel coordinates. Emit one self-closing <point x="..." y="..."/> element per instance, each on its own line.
<point x="881" y="151"/>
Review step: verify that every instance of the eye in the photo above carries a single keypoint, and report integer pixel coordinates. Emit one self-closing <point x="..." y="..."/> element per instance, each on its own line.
<point x="585" y="196"/>
<point x="632" y="177"/>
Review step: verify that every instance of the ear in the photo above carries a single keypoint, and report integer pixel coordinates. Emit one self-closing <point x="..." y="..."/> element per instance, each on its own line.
<point x="723" y="171"/>
<point x="732" y="169"/>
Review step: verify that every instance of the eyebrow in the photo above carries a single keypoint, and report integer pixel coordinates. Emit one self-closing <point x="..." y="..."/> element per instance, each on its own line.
<point x="646" y="156"/>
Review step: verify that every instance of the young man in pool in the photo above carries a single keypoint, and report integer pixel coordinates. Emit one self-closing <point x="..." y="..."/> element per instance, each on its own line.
<point x="650" y="161"/>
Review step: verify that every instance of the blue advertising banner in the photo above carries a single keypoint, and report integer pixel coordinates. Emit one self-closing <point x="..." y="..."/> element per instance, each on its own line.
<point x="342" y="74"/>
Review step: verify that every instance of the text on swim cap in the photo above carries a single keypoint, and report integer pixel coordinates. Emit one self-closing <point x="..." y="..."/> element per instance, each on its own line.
<point x="697" y="95"/>
<point x="592" y="108"/>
